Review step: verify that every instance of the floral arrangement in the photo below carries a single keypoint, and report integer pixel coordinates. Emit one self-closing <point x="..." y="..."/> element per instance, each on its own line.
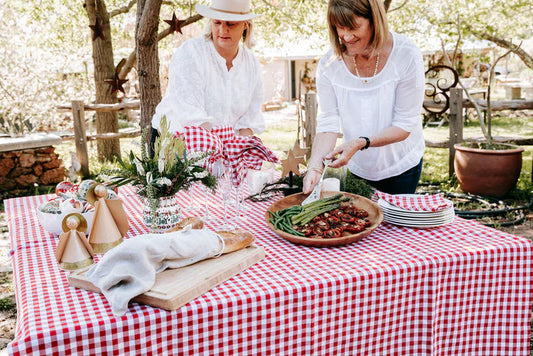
<point x="165" y="172"/>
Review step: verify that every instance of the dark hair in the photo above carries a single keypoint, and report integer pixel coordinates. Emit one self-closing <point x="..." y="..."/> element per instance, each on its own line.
<point x="343" y="12"/>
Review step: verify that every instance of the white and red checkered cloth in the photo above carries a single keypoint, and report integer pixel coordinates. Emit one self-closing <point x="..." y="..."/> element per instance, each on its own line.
<point x="240" y="152"/>
<point x="416" y="202"/>
<point x="460" y="289"/>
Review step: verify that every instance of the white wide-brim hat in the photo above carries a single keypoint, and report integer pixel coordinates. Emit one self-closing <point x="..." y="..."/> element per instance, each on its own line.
<point x="227" y="10"/>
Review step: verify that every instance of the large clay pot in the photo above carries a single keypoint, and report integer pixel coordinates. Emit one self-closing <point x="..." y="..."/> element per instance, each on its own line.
<point x="487" y="172"/>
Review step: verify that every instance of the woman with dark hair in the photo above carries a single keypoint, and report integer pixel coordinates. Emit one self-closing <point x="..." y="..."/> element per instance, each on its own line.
<point x="370" y="87"/>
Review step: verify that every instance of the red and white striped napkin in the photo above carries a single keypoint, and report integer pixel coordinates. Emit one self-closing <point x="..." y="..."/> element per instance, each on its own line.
<point x="240" y="152"/>
<point x="416" y="202"/>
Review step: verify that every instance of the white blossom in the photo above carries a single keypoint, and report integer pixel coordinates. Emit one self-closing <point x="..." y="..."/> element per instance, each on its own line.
<point x="149" y="178"/>
<point x="164" y="144"/>
<point x="161" y="165"/>
<point x="195" y="155"/>
<point x="164" y="181"/>
<point x="139" y="166"/>
<point x="200" y="175"/>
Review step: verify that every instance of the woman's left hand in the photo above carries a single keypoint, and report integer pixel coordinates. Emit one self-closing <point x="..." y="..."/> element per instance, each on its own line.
<point x="343" y="153"/>
<point x="245" y="132"/>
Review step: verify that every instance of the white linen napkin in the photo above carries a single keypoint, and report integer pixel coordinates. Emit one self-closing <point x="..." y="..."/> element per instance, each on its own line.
<point x="129" y="269"/>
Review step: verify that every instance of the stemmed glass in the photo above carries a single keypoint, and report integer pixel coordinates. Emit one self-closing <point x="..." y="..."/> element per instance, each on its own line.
<point x="192" y="206"/>
<point x="223" y="173"/>
<point x="206" y="217"/>
<point x="239" y="195"/>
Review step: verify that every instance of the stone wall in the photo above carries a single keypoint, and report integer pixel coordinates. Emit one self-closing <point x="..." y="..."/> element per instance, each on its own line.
<point x="20" y="169"/>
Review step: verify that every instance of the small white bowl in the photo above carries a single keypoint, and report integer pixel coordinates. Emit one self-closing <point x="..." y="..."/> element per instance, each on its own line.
<point x="53" y="222"/>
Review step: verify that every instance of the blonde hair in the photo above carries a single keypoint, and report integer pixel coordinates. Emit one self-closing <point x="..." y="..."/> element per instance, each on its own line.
<point x="342" y="12"/>
<point x="247" y="35"/>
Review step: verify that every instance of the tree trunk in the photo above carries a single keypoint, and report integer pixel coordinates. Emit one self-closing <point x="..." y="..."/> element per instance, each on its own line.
<point x="148" y="58"/>
<point x="104" y="68"/>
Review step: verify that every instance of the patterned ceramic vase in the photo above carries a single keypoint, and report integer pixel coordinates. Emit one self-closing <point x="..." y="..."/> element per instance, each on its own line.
<point x="168" y="215"/>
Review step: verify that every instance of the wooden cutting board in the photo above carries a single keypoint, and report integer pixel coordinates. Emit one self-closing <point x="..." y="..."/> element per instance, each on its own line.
<point x="174" y="288"/>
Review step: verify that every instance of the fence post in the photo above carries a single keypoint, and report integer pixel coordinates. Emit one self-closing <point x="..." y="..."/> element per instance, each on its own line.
<point x="310" y="119"/>
<point x="456" y="125"/>
<point x="80" y="135"/>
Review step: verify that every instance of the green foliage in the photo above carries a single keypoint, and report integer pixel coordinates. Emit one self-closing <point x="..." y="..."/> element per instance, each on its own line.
<point x="164" y="174"/>
<point x="7" y="304"/>
<point x="358" y="186"/>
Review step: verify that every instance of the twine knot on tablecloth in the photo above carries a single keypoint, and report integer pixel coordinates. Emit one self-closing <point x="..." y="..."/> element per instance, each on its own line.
<point x="239" y="152"/>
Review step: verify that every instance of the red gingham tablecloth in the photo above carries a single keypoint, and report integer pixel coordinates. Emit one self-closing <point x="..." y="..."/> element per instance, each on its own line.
<point x="461" y="289"/>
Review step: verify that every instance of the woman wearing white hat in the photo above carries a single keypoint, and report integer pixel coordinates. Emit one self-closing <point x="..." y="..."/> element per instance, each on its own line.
<point x="214" y="79"/>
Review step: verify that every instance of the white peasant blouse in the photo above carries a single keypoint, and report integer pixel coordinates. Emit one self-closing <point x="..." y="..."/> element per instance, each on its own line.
<point x="201" y="89"/>
<point x="393" y="97"/>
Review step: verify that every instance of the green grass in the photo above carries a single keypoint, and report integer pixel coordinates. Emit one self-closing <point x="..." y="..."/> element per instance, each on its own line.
<point x="280" y="136"/>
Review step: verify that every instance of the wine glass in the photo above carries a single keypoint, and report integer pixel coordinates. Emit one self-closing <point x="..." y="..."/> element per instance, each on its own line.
<point x="192" y="205"/>
<point x="239" y="195"/>
<point x="222" y="171"/>
<point x="206" y="216"/>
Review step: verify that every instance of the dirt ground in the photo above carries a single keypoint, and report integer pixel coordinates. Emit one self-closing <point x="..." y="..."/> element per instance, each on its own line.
<point x="8" y="311"/>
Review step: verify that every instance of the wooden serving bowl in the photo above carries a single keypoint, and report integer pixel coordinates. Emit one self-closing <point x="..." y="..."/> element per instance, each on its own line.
<point x="375" y="215"/>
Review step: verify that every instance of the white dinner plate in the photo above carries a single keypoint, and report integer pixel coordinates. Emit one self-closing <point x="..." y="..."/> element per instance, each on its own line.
<point x="418" y="221"/>
<point x="416" y="224"/>
<point x="443" y="215"/>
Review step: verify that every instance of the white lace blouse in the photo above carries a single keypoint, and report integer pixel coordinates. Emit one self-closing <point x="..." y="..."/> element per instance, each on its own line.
<point x="201" y="89"/>
<point x="393" y="97"/>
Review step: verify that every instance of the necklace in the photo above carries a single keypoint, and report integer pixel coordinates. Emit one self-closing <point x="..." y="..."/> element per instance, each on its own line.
<point x="366" y="80"/>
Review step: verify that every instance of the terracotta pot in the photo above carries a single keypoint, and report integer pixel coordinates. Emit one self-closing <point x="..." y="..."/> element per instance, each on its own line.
<point x="487" y="172"/>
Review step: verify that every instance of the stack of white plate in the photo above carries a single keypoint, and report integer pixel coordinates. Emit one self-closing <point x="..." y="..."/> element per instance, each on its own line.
<point x="420" y="219"/>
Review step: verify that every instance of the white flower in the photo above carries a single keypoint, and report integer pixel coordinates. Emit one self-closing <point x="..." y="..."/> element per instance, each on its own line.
<point x="161" y="165"/>
<point x="139" y="166"/>
<point x="164" y="181"/>
<point x="164" y="144"/>
<point x="195" y="155"/>
<point x="200" y="175"/>
<point x="149" y="177"/>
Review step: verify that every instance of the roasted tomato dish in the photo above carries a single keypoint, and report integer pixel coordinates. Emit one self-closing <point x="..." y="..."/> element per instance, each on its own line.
<point x="345" y="220"/>
<point x="325" y="218"/>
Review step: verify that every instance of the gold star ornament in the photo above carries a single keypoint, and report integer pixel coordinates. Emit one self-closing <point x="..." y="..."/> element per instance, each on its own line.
<point x="298" y="151"/>
<point x="291" y="163"/>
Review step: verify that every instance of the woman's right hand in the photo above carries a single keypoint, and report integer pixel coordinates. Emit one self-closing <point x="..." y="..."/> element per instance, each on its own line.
<point x="312" y="176"/>
<point x="207" y="125"/>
